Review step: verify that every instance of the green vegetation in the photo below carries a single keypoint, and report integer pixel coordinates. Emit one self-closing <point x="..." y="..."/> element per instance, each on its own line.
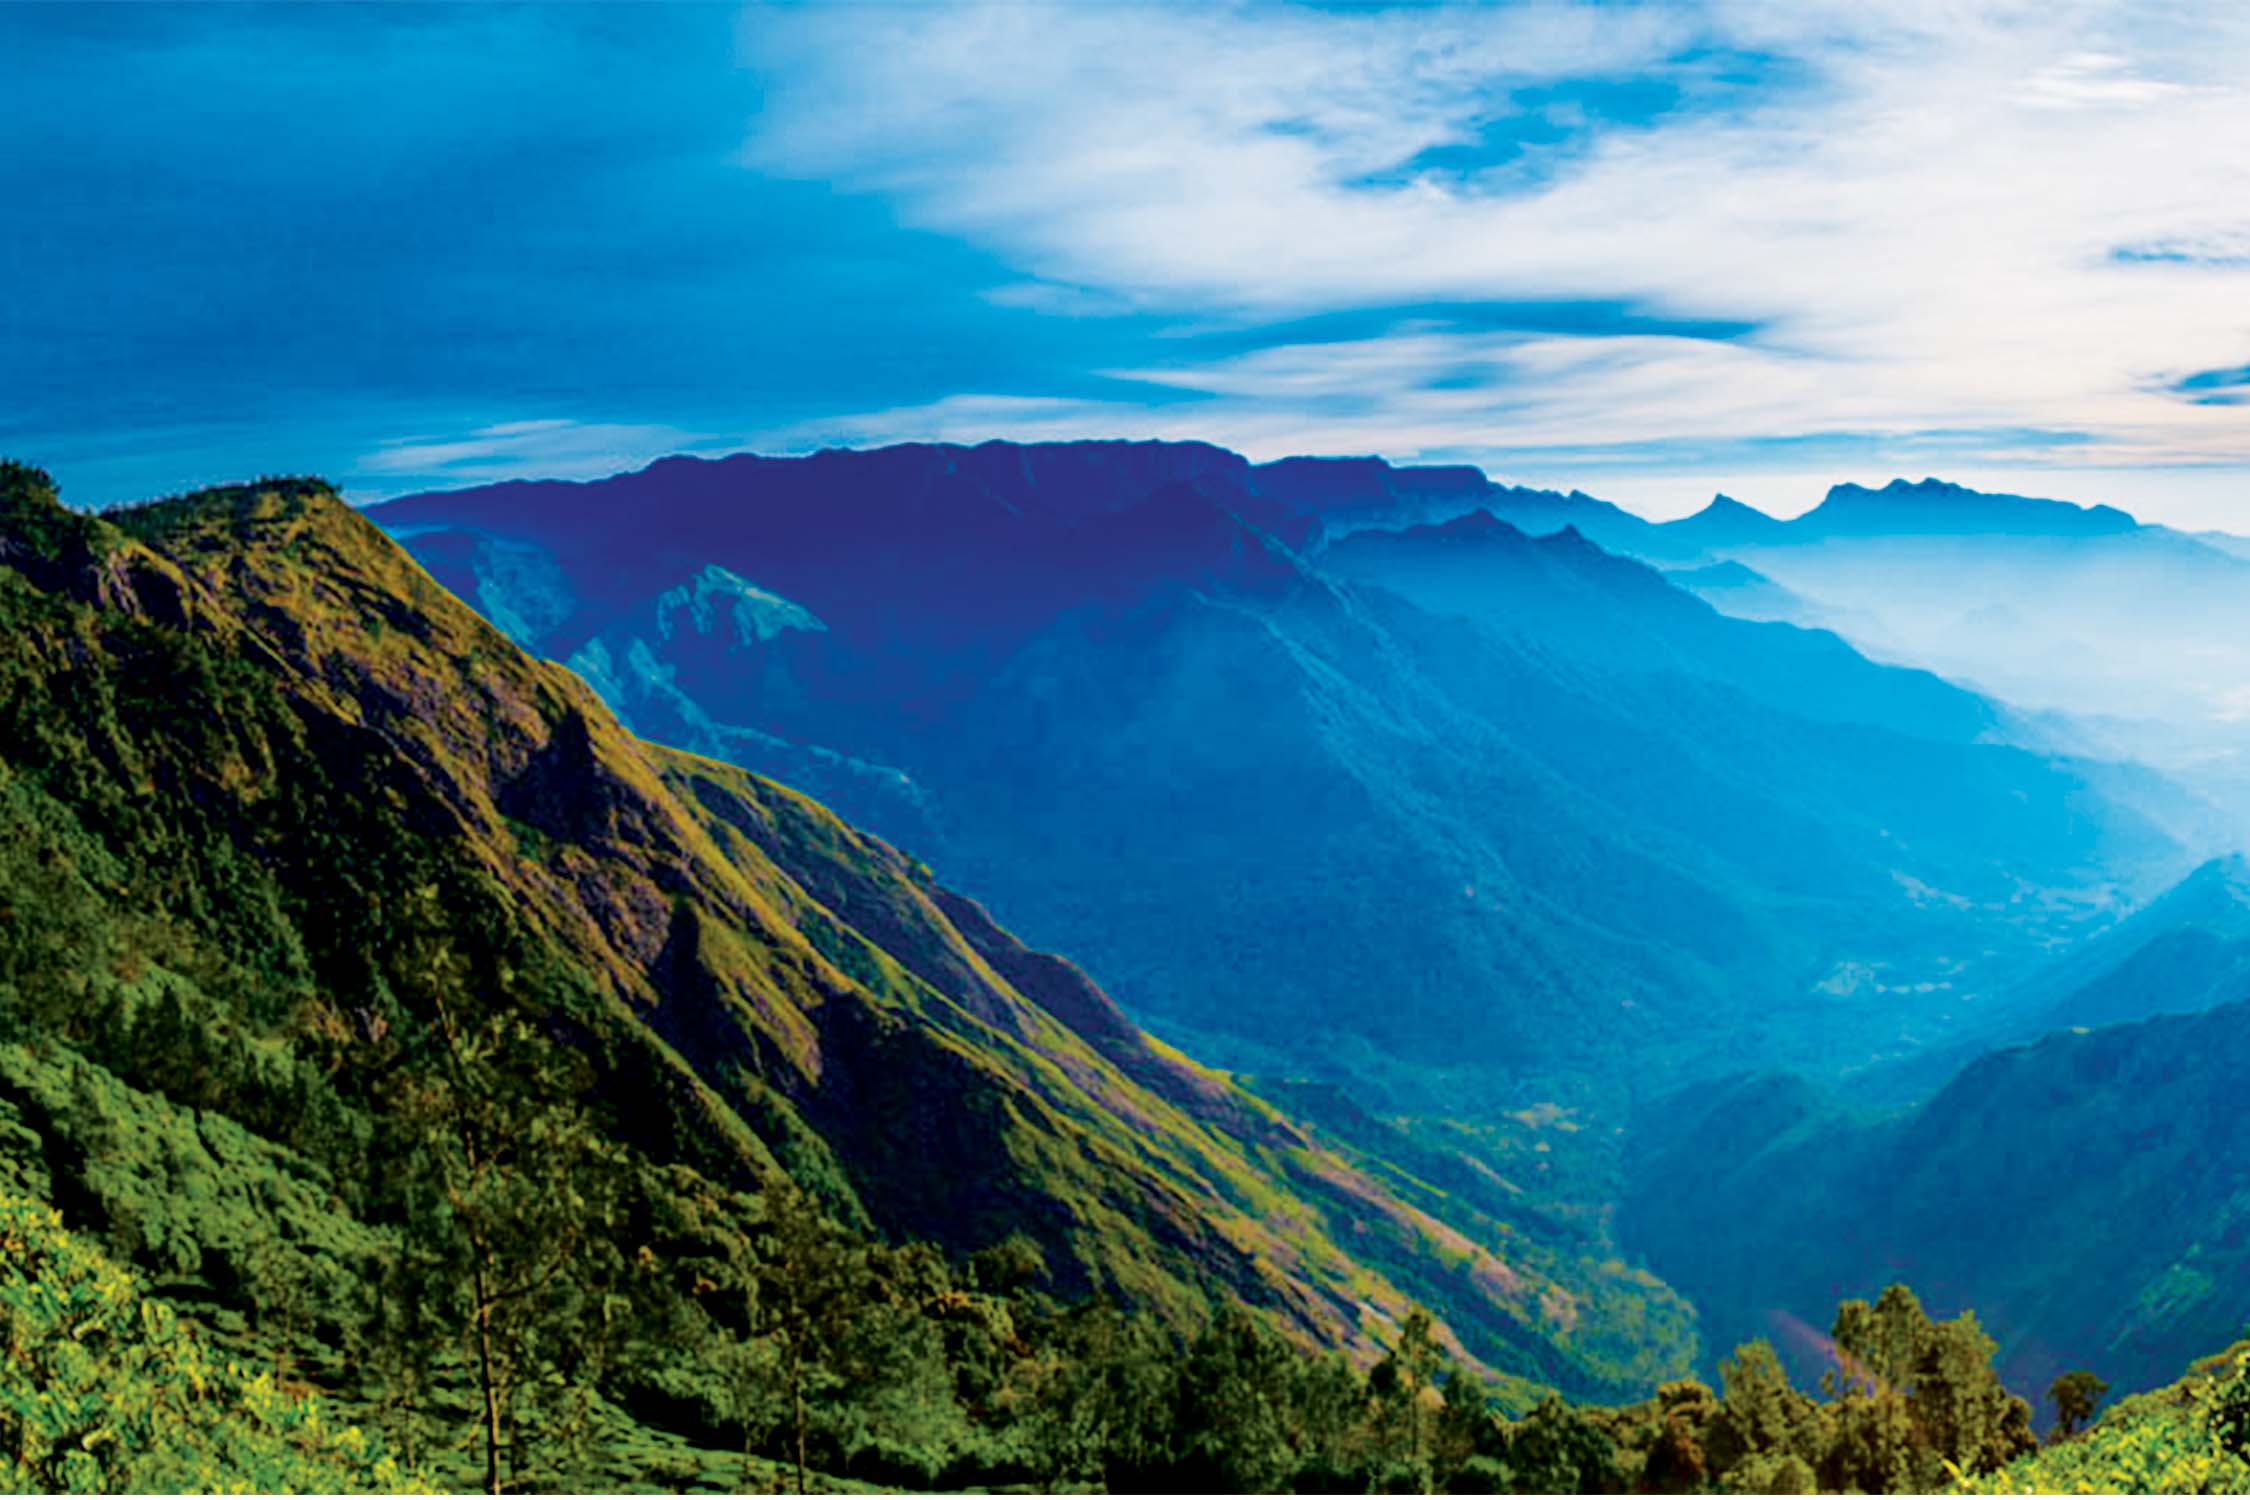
<point x="104" y="1390"/>
<point x="408" y="1079"/>
<point x="420" y="1036"/>
<point x="1911" y="1404"/>
<point x="2189" y="1438"/>
<point x="892" y="1368"/>
<point x="2074" y="1395"/>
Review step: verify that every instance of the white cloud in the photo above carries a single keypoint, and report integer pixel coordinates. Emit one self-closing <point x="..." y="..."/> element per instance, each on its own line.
<point x="1934" y="220"/>
<point x="549" y="448"/>
<point x="2092" y="79"/>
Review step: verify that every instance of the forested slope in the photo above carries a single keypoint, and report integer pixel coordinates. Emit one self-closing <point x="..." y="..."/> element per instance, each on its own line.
<point x="359" y="974"/>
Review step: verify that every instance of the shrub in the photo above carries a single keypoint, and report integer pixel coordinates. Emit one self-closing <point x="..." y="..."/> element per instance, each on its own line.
<point x="104" y="1390"/>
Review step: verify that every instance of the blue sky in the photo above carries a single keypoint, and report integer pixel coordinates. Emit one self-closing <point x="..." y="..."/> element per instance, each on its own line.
<point x="1651" y="250"/>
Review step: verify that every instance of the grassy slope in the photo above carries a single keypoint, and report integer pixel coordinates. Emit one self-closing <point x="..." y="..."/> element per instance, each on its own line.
<point x="196" y="689"/>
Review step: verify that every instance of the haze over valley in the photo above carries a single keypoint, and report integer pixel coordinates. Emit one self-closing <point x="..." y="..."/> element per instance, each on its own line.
<point x="1581" y="843"/>
<point x="1006" y="746"/>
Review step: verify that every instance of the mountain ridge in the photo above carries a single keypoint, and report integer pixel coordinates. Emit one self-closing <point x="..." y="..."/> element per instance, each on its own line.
<point x="1220" y="727"/>
<point x="2083" y="1192"/>
<point x="789" y="988"/>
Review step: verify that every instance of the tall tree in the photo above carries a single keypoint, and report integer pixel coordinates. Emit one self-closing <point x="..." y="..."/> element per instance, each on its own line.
<point x="505" y="1189"/>
<point x="1106" y="1396"/>
<point x="810" y="1284"/>
<point x="1234" y="1408"/>
<point x="1914" y="1396"/>
<point x="1765" y="1427"/>
<point x="2075" y="1395"/>
<point x="1399" y="1386"/>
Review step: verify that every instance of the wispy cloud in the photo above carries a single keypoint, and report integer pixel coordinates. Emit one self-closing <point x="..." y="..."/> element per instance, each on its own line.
<point x="1603" y="235"/>
<point x="1895" y="220"/>
<point x="546" y="448"/>
<point x="2092" y="80"/>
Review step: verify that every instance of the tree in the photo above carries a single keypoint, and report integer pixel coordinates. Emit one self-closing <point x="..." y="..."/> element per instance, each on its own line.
<point x="1762" y="1418"/>
<point x="1399" y="1387"/>
<point x="809" y="1282"/>
<point x="1676" y="1461"/>
<point x="2075" y="1395"/>
<point x="1466" y="1429"/>
<point x="505" y="1189"/>
<point x="1103" y="1410"/>
<point x="1328" y="1405"/>
<point x="1009" y="1267"/>
<point x="1233" y="1406"/>
<point x="1913" y="1396"/>
<point x="1559" y="1450"/>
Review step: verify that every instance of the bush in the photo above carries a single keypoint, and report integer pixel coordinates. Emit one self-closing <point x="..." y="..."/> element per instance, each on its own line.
<point x="104" y="1390"/>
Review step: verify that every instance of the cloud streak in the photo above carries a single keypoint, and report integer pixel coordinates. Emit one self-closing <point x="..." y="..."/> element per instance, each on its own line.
<point x="547" y="448"/>
<point x="1943" y="219"/>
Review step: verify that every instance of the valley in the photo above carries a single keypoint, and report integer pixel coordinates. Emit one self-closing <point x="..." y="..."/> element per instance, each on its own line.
<point x="1024" y="747"/>
<point x="1583" y="846"/>
<point x="1555" y="944"/>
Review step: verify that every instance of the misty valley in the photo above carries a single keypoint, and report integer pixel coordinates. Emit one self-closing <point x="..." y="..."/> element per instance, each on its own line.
<point x="1036" y="747"/>
<point x="556" y="984"/>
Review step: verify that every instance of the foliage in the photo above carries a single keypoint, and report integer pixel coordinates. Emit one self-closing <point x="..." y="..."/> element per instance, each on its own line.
<point x="1913" y="1404"/>
<point x="2187" y="1438"/>
<point x="2075" y="1394"/>
<point x="506" y="1192"/>
<point x="1913" y="1397"/>
<point x="440" y="1072"/>
<point x="104" y="1389"/>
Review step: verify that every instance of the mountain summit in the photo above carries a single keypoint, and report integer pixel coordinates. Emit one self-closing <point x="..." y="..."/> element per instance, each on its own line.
<point x="1725" y="522"/>
<point x="1934" y="507"/>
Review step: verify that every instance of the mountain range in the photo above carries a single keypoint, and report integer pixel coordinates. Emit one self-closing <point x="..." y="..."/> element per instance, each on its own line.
<point x="1338" y="821"/>
<point x="1242" y="694"/>
<point x="2057" y="609"/>
<point x="2086" y="1194"/>
<point x="754" y="986"/>
<point x="1483" y="858"/>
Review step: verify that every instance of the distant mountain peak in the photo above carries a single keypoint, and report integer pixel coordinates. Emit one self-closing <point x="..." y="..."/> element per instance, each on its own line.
<point x="1538" y="512"/>
<point x="2224" y="879"/>
<point x="1479" y="522"/>
<point x="1932" y="506"/>
<point x="715" y="593"/>
<point x="1723" y="504"/>
<point x="1569" y="539"/>
<point x="1726" y="521"/>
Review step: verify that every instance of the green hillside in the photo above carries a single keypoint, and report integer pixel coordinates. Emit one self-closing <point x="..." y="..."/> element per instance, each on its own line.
<point x="342" y="945"/>
<point x="2088" y="1194"/>
<point x="2191" y="1437"/>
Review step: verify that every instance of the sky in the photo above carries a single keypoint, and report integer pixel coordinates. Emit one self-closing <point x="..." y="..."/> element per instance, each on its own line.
<point x="1652" y="251"/>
